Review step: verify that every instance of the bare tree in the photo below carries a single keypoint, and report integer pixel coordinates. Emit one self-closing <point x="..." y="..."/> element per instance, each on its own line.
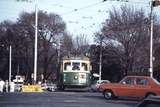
<point x="81" y="44"/>
<point x="66" y="45"/>
<point x="129" y="29"/>
<point x="50" y="27"/>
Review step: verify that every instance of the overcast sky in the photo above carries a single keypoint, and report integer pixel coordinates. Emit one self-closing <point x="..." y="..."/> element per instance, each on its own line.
<point x="81" y="16"/>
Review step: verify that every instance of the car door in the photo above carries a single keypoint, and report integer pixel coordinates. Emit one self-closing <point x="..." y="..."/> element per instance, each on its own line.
<point x="142" y="87"/>
<point x="127" y="87"/>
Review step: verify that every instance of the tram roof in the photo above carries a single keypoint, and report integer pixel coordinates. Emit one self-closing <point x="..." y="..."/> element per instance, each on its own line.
<point x="76" y="58"/>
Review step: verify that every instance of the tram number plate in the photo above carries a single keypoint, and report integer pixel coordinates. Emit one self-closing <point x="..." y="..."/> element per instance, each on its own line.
<point x="82" y="78"/>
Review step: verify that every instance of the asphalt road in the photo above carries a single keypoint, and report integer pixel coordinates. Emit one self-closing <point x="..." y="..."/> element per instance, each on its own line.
<point x="61" y="99"/>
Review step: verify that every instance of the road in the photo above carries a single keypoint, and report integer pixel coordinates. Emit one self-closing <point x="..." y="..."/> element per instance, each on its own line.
<point x="61" y="99"/>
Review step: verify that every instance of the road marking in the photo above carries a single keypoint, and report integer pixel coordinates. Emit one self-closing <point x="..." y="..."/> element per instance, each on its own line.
<point x="70" y="101"/>
<point x="67" y="93"/>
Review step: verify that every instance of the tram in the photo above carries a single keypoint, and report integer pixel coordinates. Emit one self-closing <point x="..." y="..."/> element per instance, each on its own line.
<point x="75" y="72"/>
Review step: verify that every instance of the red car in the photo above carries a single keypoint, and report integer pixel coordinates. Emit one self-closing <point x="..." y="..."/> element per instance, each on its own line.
<point x="131" y="86"/>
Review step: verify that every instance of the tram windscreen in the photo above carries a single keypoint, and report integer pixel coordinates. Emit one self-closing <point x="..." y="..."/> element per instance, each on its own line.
<point x="75" y="66"/>
<point x="84" y="65"/>
<point x="66" y="65"/>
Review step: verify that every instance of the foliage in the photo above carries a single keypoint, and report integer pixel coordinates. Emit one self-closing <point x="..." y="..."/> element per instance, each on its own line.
<point x="127" y="38"/>
<point x="50" y="27"/>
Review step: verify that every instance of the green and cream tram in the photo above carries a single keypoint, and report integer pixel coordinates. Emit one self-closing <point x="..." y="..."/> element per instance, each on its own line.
<point x="75" y="72"/>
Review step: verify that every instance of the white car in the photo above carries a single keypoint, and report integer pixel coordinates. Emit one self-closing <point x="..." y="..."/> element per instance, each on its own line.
<point x="96" y="84"/>
<point x="49" y="87"/>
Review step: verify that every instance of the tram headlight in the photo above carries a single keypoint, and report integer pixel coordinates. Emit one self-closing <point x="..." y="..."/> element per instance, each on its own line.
<point x="76" y="77"/>
<point x="64" y="77"/>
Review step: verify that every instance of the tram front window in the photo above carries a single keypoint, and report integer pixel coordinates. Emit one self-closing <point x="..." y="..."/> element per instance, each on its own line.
<point x="84" y="65"/>
<point x="75" y="66"/>
<point x="66" y="65"/>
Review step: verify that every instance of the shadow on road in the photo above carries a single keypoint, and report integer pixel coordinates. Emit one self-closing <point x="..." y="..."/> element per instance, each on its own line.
<point x="120" y="100"/>
<point x="75" y="90"/>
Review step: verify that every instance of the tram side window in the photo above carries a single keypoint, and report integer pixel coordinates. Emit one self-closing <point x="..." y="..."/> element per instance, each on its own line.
<point x="85" y="66"/>
<point x="66" y="65"/>
<point x="75" y="66"/>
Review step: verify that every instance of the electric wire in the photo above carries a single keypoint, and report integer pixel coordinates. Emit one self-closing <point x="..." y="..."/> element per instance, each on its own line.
<point x="95" y="4"/>
<point x="82" y="8"/>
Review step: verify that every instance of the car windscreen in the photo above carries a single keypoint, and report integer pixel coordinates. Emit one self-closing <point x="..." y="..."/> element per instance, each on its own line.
<point x="152" y="104"/>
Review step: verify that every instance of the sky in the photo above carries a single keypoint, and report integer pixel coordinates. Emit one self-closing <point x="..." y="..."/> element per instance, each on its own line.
<point x="81" y="16"/>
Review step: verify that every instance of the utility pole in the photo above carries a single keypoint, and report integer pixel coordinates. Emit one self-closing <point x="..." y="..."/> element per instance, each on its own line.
<point x="100" y="59"/>
<point x="59" y="51"/>
<point x="36" y="36"/>
<point x="154" y="3"/>
<point x="10" y="35"/>
<point x="58" y="58"/>
<point x="10" y="66"/>
<point x="151" y="41"/>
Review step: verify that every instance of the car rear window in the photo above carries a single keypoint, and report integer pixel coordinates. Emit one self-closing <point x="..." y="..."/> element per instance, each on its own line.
<point x="156" y="81"/>
<point x="142" y="81"/>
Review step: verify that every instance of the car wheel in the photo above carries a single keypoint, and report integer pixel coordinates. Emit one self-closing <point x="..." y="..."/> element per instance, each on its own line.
<point x="62" y="87"/>
<point x="52" y="89"/>
<point x="150" y="94"/>
<point x="108" y="94"/>
<point x="91" y="90"/>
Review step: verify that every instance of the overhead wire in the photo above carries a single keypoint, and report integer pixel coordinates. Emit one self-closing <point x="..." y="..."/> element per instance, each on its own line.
<point x="57" y="4"/>
<point x="95" y="4"/>
<point x="82" y="8"/>
<point x="92" y="5"/>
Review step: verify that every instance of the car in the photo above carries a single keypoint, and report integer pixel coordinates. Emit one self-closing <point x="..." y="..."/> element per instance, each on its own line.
<point x="96" y="84"/>
<point x="131" y="86"/>
<point x="49" y="87"/>
<point x="152" y="101"/>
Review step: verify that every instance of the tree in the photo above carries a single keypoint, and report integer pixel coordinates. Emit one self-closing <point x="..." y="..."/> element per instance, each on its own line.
<point x="6" y="37"/>
<point x="66" y="45"/>
<point x="81" y="45"/>
<point x="128" y="30"/>
<point x="50" y="27"/>
<point x="111" y="62"/>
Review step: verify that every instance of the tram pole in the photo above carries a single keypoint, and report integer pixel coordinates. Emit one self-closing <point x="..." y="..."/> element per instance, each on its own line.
<point x="10" y="67"/>
<point x="100" y="60"/>
<point x="35" y="48"/>
<point x="151" y="41"/>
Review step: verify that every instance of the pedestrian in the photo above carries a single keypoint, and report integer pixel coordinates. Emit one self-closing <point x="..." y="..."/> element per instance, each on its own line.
<point x="6" y="85"/>
<point x="1" y="85"/>
<point x="12" y="87"/>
